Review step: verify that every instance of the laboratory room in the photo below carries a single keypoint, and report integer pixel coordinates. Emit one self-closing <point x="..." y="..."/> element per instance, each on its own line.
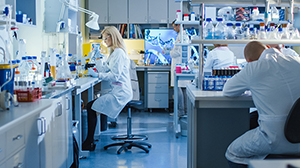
<point x="149" y="83"/>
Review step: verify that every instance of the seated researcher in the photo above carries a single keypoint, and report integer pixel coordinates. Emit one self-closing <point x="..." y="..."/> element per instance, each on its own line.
<point x="274" y="82"/>
<point x="285" y="51"/>
<point x="116" y="72"/>
<point x="218" y="58"/>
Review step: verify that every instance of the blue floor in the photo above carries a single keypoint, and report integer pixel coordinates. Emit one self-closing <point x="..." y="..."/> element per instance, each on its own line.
<point x="167" y="151"/>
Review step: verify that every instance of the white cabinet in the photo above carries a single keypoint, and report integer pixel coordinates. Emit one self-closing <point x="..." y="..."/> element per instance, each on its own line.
<point x="173" y="7"/>
<point x="158" y="12"/>
<point x="53" y="10"/>
<point x="138" y="11"/>
<point x="67" y="105"/>
<point x="158" y="90"/>
<point x="110" y="11"/>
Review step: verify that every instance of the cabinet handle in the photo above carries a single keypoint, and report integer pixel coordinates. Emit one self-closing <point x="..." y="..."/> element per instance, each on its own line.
<point x="19" y="165"/>
<point x="41" y="119"/>
<point x="17" y="137"/>
<point x="157" y="86"/>
<point x="68" y="103"/>
<point x="158" y="100"/>
<point x="157" y="76"/>
<point x="59" y="109"/>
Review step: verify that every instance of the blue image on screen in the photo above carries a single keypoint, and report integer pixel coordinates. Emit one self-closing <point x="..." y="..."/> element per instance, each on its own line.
<point x="158" y="44"/>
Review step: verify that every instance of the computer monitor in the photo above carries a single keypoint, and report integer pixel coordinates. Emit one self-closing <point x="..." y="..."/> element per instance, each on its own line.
<point x="158" y="44"/>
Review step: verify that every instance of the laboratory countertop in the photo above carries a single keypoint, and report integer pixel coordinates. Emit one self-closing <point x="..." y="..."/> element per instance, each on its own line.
<point x="198" y="95"/>
<point x="275" y="163"/>
<point x="25" y="109"/>
<point x="153" y="68"/>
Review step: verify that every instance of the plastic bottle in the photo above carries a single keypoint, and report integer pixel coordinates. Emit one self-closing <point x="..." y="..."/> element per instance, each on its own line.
<point x="255" y="13"/>
<point x="230" y="32"/>
<point x="24" y="73"/>
<point x="273" y="32"/>
<point x="186" y="17"/>
<point x="35" y="63"/>
<point x="285" y="34"/>
<point x="274" y="14"/>
<point x="253" y="34"/>
<point x="185" y="37"/>
<point x="178" y="15"/>
<point x="208" y="31"/>
<point x="246" y="34"/>
<point x="261" y="34"/>
<point x="238" y="31"/>
<point x="193" y="16"/>
<point x="220" y="29"/>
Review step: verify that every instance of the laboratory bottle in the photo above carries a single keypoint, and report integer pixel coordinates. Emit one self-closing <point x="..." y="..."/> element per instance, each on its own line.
<point x="24" y="73"/>
<point x="186" y="38"/>
<point x="79" y="47"/>
<point x="274" y="14"/>
<point x="279" y="33"/>
<point x="261" y="34"/>
<point x="238" y="31"/>
<point x="57" y="57"/>
<point x="255" y="13"/>
<point x="178" y="15"/>
<point x="246" y="34"/>
<point x="208" y="31"/>
<point x="70" y="58"/>
<point x="285" y="34"/>
<point x="36" y="65"/>
<point x="253" y="34"/>
<point x="220" y="29"/>
<point x="273" y="32"/>
<point x="230" y="32"/>
<point x="193" y="16"/>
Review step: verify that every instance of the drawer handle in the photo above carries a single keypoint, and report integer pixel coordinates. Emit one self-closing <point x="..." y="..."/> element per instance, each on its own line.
<point x="158" y="100"/>
<point x="157" y="76"/>
<point x="157" y="86"/>
<point x="68" y="103"/>
<point x="19" y="165"/>
<point x="17" y="137"/>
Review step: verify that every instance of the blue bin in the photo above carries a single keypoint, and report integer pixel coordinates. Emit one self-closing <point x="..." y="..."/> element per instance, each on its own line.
<point x="5" y="73"/>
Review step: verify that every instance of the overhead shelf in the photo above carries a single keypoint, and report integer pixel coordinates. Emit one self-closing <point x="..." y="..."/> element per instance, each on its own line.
<point x="233" y="41"/>
<point x="188" y="22"/>
<point x="245" y="2"/>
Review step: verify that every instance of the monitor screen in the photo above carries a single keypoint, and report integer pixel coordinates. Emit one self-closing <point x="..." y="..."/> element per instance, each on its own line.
<point x="158" y="44"/>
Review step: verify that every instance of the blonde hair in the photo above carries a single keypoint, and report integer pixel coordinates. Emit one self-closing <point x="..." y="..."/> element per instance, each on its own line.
<point x="116" y="38"/>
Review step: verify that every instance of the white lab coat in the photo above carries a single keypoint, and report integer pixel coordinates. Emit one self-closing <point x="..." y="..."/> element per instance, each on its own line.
<point x="218" y="58"/>
<point x="116" y="72"/>
<point x="288" y="51"/>
<point x="274" y="83"/>
<point x="176" y="54"/>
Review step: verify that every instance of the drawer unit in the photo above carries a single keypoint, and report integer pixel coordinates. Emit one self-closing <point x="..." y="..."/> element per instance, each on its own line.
<point x="158" y="100"/>
<point x="158" y="88"/>
<point x="158" y="77"/>
<point x="17" y="160"/>
<point x="2" y="147"/>
<point x="15" y="138"/>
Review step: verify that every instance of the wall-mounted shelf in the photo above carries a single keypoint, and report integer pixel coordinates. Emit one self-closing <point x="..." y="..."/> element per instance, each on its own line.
<point x="188" y="22"/>
<point x="232" y="41"/>
<point x="260" y="3"/>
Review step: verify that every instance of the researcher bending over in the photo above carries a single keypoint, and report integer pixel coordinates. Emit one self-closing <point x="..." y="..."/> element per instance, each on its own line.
<point x="116" y="72"/>
<point x="273" y="80"/>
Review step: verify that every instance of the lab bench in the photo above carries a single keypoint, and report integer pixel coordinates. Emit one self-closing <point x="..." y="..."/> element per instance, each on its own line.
<point x="155" y="86"/>
<point x="214" y="121"/>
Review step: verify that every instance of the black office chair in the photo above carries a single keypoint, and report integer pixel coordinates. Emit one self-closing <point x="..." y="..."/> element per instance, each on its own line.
<point x="291" y="131"/>
<point x="130" y="140"/>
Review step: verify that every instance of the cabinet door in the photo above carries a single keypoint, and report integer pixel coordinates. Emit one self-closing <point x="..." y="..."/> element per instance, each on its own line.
<point x="158" y="11"/>
<point x="173" y="7"/>
<point x="138" y="11"/>
<point x="69" y="126"/>
<point x="100" y="8"/>
<point x="117" y="11"/>
<point x="59" y="139"/>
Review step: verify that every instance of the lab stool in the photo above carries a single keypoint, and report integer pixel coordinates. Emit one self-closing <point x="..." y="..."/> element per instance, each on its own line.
<point x="130" y="140"/>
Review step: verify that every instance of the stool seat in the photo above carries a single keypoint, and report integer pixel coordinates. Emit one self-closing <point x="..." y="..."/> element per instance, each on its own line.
<point x="129" y="140"/>
<point x="134" y="103"/>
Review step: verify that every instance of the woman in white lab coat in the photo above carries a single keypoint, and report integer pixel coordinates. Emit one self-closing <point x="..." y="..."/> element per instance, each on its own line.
<point x="116" y="72"/>
<point x="218" y="58"/>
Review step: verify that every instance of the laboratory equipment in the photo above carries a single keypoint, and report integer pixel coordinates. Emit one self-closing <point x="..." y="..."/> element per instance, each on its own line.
<point x="272" y="34"/>
<point x="193" y="16"/>
<point x="178" y="15"/>
<point x="255" y="13"/>
<point x="238" y="31"/>
<point x="157" y="42"/>
<point x="229" y="32"/>
<point x="52" y="52"/>
<point x="63" y="72"/>
<point x="274" y="14"/>
<point x="186" y="17"/>
<point x="220" y="29"/>
<point x="261" y="34"/>
<point x="209" y="30"/>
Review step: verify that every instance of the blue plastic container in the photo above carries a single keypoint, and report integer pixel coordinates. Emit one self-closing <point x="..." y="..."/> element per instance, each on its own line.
<point x="5" y="73"/>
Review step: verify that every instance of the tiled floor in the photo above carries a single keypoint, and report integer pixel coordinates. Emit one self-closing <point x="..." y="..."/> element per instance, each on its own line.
<point x="167" y="151"/>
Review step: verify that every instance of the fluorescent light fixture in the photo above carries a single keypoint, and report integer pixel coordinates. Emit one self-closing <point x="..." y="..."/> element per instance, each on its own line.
<point x="92" y="23"/>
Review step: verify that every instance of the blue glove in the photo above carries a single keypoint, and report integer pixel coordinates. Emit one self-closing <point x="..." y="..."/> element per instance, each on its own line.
<point x="92" y="73"/>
